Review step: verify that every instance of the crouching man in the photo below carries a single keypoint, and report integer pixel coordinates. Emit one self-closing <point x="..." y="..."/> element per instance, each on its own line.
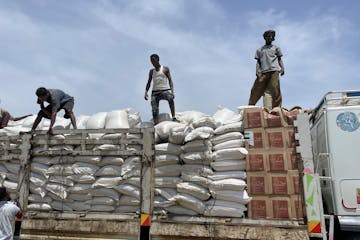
<point x="57" y="100"/>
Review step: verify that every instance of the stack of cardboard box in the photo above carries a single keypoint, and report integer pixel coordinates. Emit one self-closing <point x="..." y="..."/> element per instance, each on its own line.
<point x="272" y="167"/>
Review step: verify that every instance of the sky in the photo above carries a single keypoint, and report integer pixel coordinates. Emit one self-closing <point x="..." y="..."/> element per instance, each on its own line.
<point x="98" y="51"/>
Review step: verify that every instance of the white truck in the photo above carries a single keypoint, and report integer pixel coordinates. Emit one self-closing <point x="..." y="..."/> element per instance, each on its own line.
<point x="335" y="135"/>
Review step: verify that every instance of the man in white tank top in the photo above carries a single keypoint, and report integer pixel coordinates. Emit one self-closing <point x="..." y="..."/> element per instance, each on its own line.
<point x="162" y="89"/>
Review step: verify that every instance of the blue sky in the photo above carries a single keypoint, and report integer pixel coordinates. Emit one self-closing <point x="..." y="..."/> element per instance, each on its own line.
<point x="98" y="51"/>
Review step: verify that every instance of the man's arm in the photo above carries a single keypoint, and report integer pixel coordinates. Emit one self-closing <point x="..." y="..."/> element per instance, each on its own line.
<point x="282" y="71"/>
<point x="146" y="96"/>
<point x="168" y="75"/>
<point x="5" y="119"/>
<point x="52" y="122"/>
<point x="258" y="68"/>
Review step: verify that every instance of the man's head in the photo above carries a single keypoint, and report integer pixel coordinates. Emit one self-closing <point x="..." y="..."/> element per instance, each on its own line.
<point x="4" y="195"/>
<point x="269" y="36"/>
<point x="42" y="93"/>
<point x="154" y="58"/>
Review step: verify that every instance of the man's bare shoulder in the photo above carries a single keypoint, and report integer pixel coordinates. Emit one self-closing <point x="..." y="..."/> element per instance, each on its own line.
<point x="166" y="69"/>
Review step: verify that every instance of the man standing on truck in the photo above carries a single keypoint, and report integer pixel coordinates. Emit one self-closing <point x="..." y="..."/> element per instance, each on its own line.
<point x="268" y="67"/>
<point x="57" y="100"/>
<point x="163" y="88"/>
<point x="8" y="212"/>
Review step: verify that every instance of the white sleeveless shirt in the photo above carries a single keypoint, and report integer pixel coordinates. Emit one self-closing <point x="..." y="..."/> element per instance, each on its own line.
<point x="160" y="80"/>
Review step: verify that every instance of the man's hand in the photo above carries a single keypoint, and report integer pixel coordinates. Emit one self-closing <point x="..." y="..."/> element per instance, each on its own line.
<point x="50" y="132"/>
<point x="146" y="96"/>
<point x="172" y="92"/>
<point x="282" y="72"/>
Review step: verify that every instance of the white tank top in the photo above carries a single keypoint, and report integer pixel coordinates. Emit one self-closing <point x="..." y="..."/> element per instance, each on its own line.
<point x="160" y="80"/>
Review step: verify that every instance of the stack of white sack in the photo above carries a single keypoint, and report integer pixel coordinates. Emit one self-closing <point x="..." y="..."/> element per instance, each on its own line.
<point x="167" y="168"/>
<point x="114" y="119"/>
<point x="9" y="176"/>
<point x="212" y="150"/>
<point x="229" y="154"/>
<point x="85" y="183"/>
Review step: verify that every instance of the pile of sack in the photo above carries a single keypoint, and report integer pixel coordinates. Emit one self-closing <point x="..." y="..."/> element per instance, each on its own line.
<point x="200" y="165"/>
<point x="84" y="183"/>
<point x="115" y="119"/>
<point x="10" y="164"/>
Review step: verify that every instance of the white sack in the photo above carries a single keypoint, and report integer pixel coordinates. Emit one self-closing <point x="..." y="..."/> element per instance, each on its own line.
<point x="221" y="211"/>
<point x="223" y="115"/>
<point x="197" y="157"/>
<point x="228" y="174"/>
<point x="194" y="178"/>
<point x="57" y="189"/>
<point x="79" y="197"/>
<point x="12" y="167"/>
<point x="39" y="207"/>
<point x="84" y="168"/>
<point x="38" y="199"/>
<point x="190" y="202"/>
<point x="109" y="170"/>
<point x="230" y="144"/>
<point x="199" y="133"/>
<point x="232" y="127"/>
<point x="107" y="182"/>
<point x="167" y="182"/>
<point x="37" y="179"/>
<point x="229" y="165"/>
<point x="80" y="188"/>
<point x="189" y="117"/>
<point x="228" y="184"/>
<point x="199" y="170"/>
<point x="205" y="122"/>
<point x="167" y="193"/>
<point x="100" y="201"/>
<point x="58" y="169"/>
<point x="178" y="210"/>
<point x="110" y="160"/>
<point x="197" y="146"/>
<point x="166" y="159"/>
<point x="96" y="121"/>
<point x="167" y="148"/>
<point x="230" y="153"/>
<point x="168" y="171"/>
<point x="163" y="129"/>
<point x="128" y="189"/>
<point x="62" y="180"/>
<point x="128" y="201"/>
<point x="82" y="178"/>
<point x="232" y="196"/>
<point x="79" y="206"/>
<point x="177" y="134"/>
<point x="88" y="159"/>
<point x="194" y="190"/>
<point x="105" y="192"/>
<point x="134" y="119"/>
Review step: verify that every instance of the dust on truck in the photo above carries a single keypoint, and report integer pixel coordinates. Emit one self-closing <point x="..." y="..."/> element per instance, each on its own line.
<point x="106" y="183"/>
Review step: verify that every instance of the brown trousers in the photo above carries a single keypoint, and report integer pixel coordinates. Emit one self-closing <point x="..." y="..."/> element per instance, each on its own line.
<point x="270" y="81"/>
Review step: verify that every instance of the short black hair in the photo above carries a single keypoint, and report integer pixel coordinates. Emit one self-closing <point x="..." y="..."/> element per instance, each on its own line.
<point x="41" y="91"/>
<point x="155" y="56"/>
<point x="269" y="32"/>
<point x="3" y="193"/>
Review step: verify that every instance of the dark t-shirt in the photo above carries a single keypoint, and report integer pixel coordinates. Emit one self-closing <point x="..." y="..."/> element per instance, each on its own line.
<point x="58" y="98"/>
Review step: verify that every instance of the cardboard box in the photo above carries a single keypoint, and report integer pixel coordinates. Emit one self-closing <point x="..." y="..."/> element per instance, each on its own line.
<point x="256" y="161"/>
<point x="276" y="138"/>
<point x="253" y="118"/>
<point x="296" y="207"/>
<point x="257" y="183"/>
<point x="277" y="160"/>
<point x="259" y="208"/>
<point x="279" y="183"/>
<point x="290" y="137"/>
<point x="280" y="207"/>
<point x="274" y="119"/>
<point x="292" y="159"/>
<point x="257" y="138"/>
<point x="294" y="178"/>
